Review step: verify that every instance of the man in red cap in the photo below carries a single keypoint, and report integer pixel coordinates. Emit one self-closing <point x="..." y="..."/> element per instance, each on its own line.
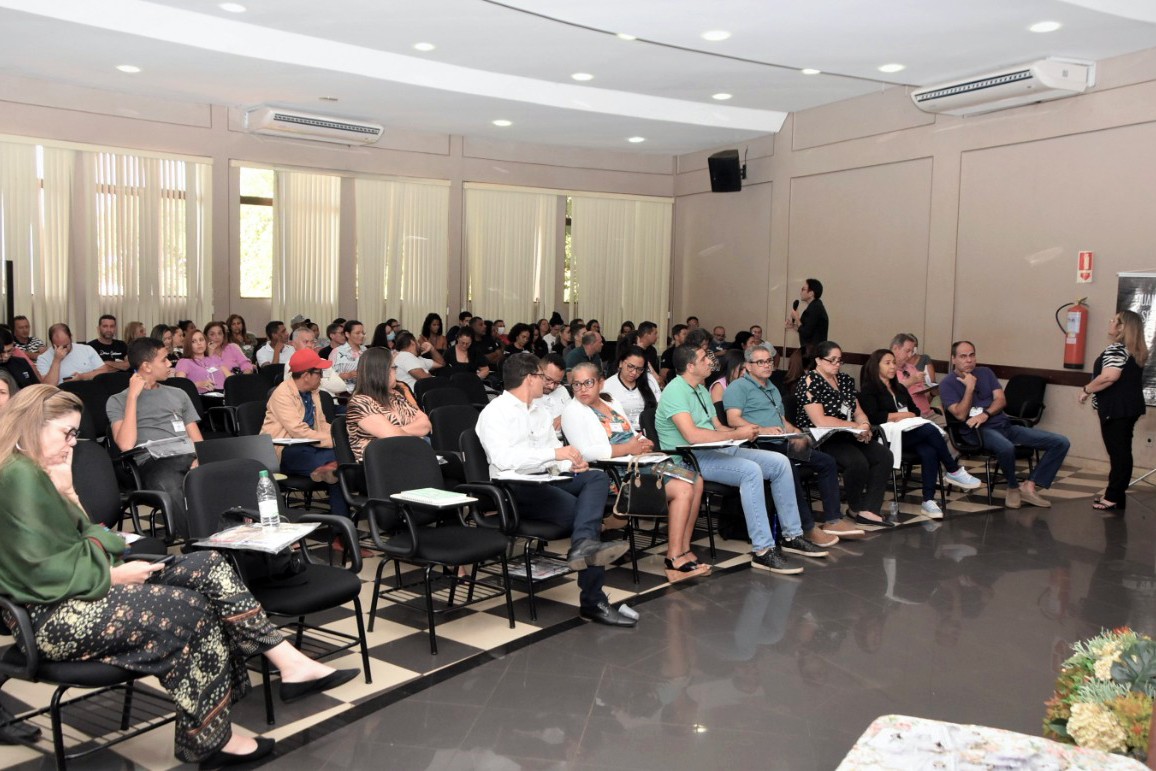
<point x="294" y="412"/>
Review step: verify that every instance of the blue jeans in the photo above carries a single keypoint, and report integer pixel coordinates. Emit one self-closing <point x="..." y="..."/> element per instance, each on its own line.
<point x="928" y="443"/>
<point x="300" y="460"/>
<point x="826" y="473"/>
<point x="1003" y="442"/>
<point x="746" y="469"/>
<point x="578" y="503"/>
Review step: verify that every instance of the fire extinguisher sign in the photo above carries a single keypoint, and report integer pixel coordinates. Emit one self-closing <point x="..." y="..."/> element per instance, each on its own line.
<point x="1084" y="268"/>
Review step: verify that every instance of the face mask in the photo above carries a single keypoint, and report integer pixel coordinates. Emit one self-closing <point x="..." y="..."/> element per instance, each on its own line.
<point x="501" y="330"/>
<point x="390" y="337"/>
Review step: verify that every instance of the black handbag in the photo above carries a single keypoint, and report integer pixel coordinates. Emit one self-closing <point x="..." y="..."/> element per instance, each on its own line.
<point x="285" y="568"/>
<point x="642" y="492"/>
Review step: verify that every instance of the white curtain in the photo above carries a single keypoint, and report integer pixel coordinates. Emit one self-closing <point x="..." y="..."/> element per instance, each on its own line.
<point x="511" y="245"/>
<point x="53" y="299"/>
<point x="19" y="215"/>
<point x="620" y="260"/>
<point x="306" y="244"/>
<point x="402" y="250"/>
<point x="145" y="240"/>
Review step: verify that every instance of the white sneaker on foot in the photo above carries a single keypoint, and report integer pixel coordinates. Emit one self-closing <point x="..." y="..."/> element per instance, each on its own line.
<point x="931" y="510"/>
<point x="960" y="478"/>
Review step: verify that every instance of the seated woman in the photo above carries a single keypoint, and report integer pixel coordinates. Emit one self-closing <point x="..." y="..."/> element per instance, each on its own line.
<point x="379" y="407"/>
<point x="826" y="398"/>
<point x="238" y="335"/>
<point x="207" y="372"/>
<point x="630" y="388"/>
<point x="132" y="331"/>
<point x="914" y="372"/>
<point x="230" y="353"/>
<point x="732" y="365"/>
<point x="519" y="338"/>
<point x="885" y="400"/>
<point x="177" y="349"/>
<point x="191" y="623"/>
<point x="432" y="333"/>
<point x="8" y="387"/>
<point x="463" y="357"/>
<point x="344" y="357"/>
<point x="596" y="425"/>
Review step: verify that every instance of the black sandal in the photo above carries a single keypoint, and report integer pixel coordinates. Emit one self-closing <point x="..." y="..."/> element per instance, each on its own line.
<point x="1100" y="504"/>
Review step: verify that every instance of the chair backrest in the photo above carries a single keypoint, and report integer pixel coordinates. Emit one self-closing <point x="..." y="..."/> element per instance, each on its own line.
<point x="250" y="417"/>
<point x="328" y="405"/>
<point x="648" y="426"/>
<point x="472" y="385"/>
<point x="1025" y="397"/>
<point x="397" y="464"/>
<point x="257" y="447"/>
<point x="448" y="424"/>
<point x="273" y="374"/>
<point x="721" y="412"/>
<point x="113" y="382"/>
<point x="190" y="389"/>
<point x="213" y="488"/>
<point x="94" y="480"/>
<point x="477" y="465"/>
<point x="94" y="420"/>
<point x="442" y="397"/>
<point x="966" y="445"/>
<point x="425" y="385"/>
<point x="354" y="477"/>
<point x="245" y="388"/>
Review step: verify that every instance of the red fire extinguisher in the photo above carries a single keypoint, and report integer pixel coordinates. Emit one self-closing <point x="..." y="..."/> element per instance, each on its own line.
<point x="1075" y="332"/>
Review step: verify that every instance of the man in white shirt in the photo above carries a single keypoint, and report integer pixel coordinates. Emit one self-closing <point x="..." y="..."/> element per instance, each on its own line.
<point x="518" y="436"/>
<point x="409" y="360"/>
<point x="68" y="360"/>
<point x="302" y="338"/>
<point x="273" y="351"/>
<point x="554" y="396"/>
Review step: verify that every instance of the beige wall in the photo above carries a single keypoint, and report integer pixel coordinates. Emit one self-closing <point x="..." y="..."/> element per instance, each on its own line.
<point x="945" y="227"/>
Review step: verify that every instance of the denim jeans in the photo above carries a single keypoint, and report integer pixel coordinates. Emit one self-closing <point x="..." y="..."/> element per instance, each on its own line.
<point x="928" y="443"/>
<point x="300" y="460"/>
<point x="1003" y="441"/>
<point x="578" y="503"/>
<point x="826" y="473"/>
<point x="746" y="469"/>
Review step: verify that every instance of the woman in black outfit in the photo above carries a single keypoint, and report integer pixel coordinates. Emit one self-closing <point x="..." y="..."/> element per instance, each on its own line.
<point x="462" y="357"/>
<point x="826" y="398"/>
<point x="885" y="400"/>
<point x="1118" y="388"/>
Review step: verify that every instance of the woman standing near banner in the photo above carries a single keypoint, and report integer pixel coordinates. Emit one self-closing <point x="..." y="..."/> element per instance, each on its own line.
<point x="1117" y="392"/>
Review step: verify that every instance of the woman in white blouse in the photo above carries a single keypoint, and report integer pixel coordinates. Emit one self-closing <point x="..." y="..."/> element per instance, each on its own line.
<point x="596" y="425"/>
<point x="628" y="386"/>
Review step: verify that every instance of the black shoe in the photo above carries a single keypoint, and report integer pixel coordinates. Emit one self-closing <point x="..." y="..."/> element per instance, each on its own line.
<point x="885" y="522"/>
<point x="774" y="561"/>
<point x="291" y="692"/>
<point x="801" y="546"/>
<point x="589" y="553"/>
<point x="220" y="758"/>
<point x="602" y="613"/>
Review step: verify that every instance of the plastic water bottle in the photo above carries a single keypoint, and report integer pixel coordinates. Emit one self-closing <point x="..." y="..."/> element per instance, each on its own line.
<point x="267" y="503"/>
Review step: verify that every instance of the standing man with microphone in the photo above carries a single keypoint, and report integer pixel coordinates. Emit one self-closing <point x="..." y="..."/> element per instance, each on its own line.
<point x="813" y="323"/>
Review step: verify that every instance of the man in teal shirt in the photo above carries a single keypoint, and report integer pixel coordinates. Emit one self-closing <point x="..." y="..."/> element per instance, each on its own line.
<point x="686" y="416"/>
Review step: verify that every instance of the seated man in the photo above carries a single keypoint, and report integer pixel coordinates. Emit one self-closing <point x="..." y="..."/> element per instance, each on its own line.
<point x="31" y="345"/>
<point x="19" y="368"/>
<point x="302" y="338"/>
<point x="974" y="396"/>
<point x="113" y="352"/>
<point x="294" y="412"/>
<point x="67" y="360"/>
<point x="554" y="396"/>
<point x="273" y="351"/>
<point x="686" y="416"/>
<point x="754" y="400"/>
<point x="147" y="411"/>
<point x="587" y="348"/>
<point x="518" y="436"/>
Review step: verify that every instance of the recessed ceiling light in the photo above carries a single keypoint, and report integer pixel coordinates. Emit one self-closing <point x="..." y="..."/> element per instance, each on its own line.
<point x="232" y="7"/>
<point x="636" y="140"/>
<point x="624" y="36"/>
<point x="893" y="68"/>
<point x="1045" y="26"/>
<point x="716" y="35"/>
<point x="329" y="98"/>
<point x="810" y="71"/>
<point x="132" y="69"/>
<point x="721" y="97"/>
<point x="582" y="76"/>
<point x="503" y="123"/>
<point x="424" y="46"/>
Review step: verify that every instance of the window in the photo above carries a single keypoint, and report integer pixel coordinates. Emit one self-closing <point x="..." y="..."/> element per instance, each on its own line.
<point x="256" y="232"/>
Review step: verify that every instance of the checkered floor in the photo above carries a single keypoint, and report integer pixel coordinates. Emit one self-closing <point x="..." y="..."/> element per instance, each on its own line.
<point x="399" y="644"/>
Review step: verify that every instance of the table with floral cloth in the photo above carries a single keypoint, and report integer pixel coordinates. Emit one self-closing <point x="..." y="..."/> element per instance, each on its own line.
<point x="901" y="743"/>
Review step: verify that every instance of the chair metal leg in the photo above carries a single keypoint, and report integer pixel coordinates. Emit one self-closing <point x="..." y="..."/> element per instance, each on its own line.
<point x="267" y="687"/>
<point x="506" y="584"/>
<point x="300" y="631"/>
<point x="530" y="583"/>
<point x="429" y="609"/>
<point x="126" y="711"/>
<point x="361" y="638"/>
<point x="57" y="728"/>
<point x="633" y="550"/>
<point x="376" y="591"/>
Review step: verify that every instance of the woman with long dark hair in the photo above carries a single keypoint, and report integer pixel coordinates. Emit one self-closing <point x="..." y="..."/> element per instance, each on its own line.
<point x="238" y="335"/>
<point x="380" y="407"/>
<point x="433" y="332"/>
<point x="633" y="386"/>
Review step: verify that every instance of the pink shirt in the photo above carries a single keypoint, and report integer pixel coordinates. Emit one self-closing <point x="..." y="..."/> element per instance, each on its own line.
<point x="210" y="368"/>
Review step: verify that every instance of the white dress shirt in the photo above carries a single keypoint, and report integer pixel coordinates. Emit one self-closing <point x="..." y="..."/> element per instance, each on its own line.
<point x="82" y="358"/>
<point x="554" y="402"/>
<point x="518" y="437"/>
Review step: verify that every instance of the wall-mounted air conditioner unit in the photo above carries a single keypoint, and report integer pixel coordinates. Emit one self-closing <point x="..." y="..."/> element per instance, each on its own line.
<point x="318" y="128"/>
<point x="1038" y="81"/>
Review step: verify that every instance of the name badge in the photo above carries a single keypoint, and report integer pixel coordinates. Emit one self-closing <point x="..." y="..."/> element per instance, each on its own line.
<point x="178" y="427"/>
<point x="616" y="425"/>
<point x="974" y="411"/>
<point x="211" y="370"/>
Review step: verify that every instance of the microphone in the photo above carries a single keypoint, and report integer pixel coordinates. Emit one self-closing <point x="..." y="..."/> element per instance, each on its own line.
<point x="795" y="305"/>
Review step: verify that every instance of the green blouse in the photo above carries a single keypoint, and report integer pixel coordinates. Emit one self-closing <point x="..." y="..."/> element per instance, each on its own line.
<point x="49" y="550"/>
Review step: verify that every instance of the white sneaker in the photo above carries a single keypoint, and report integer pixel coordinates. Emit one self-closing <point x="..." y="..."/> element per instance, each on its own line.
<point x="960" y="478"/>
<point x="931" y="510"/>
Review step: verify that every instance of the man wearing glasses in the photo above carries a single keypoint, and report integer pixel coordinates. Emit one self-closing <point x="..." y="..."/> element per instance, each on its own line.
<point x="518" y="436"/>
<point x="554" y="396"/>
<point x="753" y="400"/>
<point x="686" y="416"/>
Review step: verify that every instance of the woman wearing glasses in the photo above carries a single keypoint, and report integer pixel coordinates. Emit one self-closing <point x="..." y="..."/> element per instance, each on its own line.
<point x="633" y="392"/>
<point x="597" y="426"/>
<point x="827" y="398"/>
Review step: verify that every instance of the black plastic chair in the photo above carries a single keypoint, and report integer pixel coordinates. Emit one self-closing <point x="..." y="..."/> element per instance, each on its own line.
<point x="448" y="424"/>
<point x="350" y="473"/>
<point x="239" y="389"/>
<point x="260" y="448"/>
<point x="1025" y="399"/>
<point x="250" y="418"/>
<point x="214" y="488"/>
<point x="425" y="536"/>
<point x="113" y="382"/>
<point x="444" y="397"/>
<point x="969" y="444"/>
<point x="95" y="482"/>
<point x="428" y="384"/>
<point x="473" y="386"/>
<point x="94" y="396"/>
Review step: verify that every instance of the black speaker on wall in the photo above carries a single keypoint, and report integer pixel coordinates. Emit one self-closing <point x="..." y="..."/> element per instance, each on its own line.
<point x="726" y="173"/>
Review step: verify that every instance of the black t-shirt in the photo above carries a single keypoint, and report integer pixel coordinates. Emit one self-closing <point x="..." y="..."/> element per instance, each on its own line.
<point x="476" y="361"/>
<point x="20" y="370"/>
<point x="813" y="324"/>
<point x="651" y="356"/>
<point x="114" y="351"/>
<point x="667" y="360"/>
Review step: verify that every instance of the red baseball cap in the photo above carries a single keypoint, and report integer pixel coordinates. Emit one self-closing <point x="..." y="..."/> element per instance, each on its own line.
<point x="307" y="359"/>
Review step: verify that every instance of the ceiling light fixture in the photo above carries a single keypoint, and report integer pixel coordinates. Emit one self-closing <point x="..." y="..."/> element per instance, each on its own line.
<point x="625" y="36"/>
<point x="329" y="98"/>
<point x="1045" y="26"/>
<point x="715" y="35"/>
<point x="636" y="140"/>
<point x="582" y="76"/>
<point x="232" y="7"/>
<point x="811" y="71"/>
<point x="131" y="69"/>
<point x="424" y="46"/>
<point x="889" y="68"/>
<point x="721" y="97"/>
<point x="503" y="122"/>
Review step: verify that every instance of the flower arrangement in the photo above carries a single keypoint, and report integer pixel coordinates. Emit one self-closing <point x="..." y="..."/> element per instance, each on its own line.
<point x="1104" y="693"/>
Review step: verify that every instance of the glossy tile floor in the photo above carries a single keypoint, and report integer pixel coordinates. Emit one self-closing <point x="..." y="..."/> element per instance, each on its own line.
<point x="966" y="622"/>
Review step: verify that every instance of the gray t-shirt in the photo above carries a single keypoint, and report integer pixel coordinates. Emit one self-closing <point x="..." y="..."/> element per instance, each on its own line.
<point x="157" y="410"/>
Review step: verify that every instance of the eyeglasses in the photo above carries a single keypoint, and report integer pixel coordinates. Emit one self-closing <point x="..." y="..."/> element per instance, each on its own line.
<point x="761" y="362"/>
<point x="583" y="384"/>
<point x="551" y="381"/>
<point x="633" y="367"/>
<point x="536" y="374"/>
<point x="70" y="434"/>
<point x="833" y="360"/>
